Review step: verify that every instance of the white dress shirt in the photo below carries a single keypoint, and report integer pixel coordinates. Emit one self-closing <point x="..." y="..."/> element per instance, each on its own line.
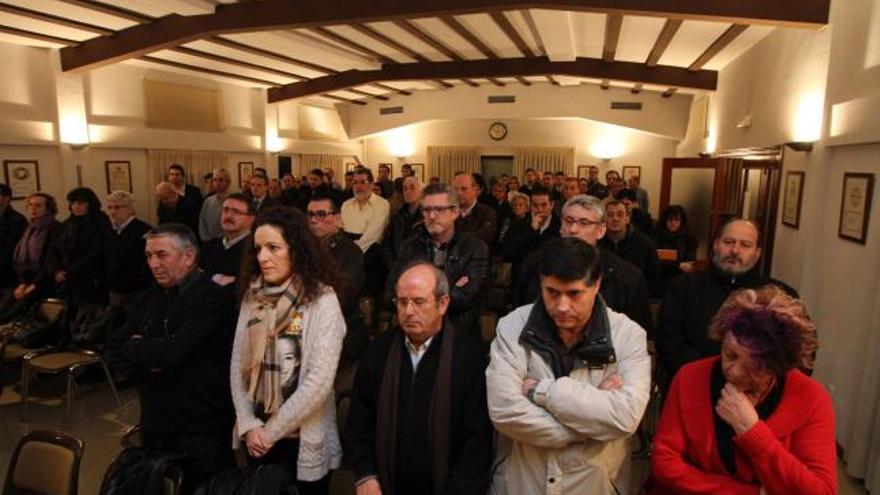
<point x="368" y="219"/>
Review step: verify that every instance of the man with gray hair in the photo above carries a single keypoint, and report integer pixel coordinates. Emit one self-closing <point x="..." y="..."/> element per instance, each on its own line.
<point x="418" y="421"/>
<point x="177" y="346"/>
<point x="209" y="218"/>
<point x="401" y="223"/>
<point x="128" y="275"/>
<point x="462" y="256"/>
<point x="623" y="288"/>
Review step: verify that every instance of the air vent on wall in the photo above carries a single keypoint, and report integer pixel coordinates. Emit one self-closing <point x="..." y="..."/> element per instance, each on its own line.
<point x="626" y="105"/>
<point x="502" y="99"/>
<point x="390" y="110"/>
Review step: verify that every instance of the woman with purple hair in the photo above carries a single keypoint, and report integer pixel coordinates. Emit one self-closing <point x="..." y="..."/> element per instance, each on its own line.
<point x="749" y="421"/>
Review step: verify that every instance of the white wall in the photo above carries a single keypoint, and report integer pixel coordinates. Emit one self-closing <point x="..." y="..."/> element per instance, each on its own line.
<point x="639" y="148"/>
<point x="661" y="116"/>
<point x="787" y="83"/>
<point x="36" y="98"/>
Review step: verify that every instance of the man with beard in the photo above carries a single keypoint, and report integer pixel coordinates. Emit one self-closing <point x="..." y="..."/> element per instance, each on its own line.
<point x="694" y="298"/>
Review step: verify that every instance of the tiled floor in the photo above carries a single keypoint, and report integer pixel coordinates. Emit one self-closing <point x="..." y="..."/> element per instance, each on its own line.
<point x="100" y="423"/>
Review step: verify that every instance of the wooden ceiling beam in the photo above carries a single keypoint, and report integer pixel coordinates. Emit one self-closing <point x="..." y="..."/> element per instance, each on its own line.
<point x="113" y="10"/>
<point x="412" y="29"/>
<point x="669" y="29"/>
<point x="582" y="67"/>
<point x="262" y="52"/>
<point x="344" y="100"/>
<point x="54" y="19"/>
<point x="175" y="30"/>
<point x="204" y="70"/>
<point x="236" y="62"/>
<point x="24" y="33"/>
<point x="504" y="23"/>
<point x="719" y="44"/>
<point x="613" y="23"/>
<point x="477" y="43"/>
<point x="351" y="45"/>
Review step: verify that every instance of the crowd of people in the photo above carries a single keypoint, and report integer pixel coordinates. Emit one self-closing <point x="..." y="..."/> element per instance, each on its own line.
<point x="242" y="308"/>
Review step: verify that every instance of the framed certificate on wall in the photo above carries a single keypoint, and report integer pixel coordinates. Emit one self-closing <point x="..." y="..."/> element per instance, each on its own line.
<point x="855" y="207"/>
<point x="118" y="176"/>
<point x="22" y="176"/>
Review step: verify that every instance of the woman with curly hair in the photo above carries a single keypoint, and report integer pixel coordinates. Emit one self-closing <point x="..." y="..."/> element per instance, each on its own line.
<point x="285" y="354"/>
<point x="749" y="421"/>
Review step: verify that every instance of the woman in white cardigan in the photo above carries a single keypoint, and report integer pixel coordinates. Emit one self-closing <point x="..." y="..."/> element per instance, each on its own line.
<point x="286" y="350"/>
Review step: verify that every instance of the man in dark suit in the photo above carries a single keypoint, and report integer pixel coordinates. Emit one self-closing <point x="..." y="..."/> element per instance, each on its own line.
<point x="221" y="258"/>
<point x="475" y="217"/>
<point x="174" y="208"/>
<point x="12" y="226"/>
<point x="418" y="421"/>
<point x="260" y="194"/>
<point x="177" y="178"/>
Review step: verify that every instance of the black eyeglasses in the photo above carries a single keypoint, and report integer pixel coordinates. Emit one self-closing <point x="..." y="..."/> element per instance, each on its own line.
<point x="234" y="211"/>
<point x="320" y="214"/>
<point x="428" y="210"/>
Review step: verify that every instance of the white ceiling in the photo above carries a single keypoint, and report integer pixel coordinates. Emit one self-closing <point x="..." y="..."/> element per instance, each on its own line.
<point x="560" y="35"/>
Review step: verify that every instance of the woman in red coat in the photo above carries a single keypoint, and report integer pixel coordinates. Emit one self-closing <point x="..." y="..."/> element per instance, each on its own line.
<point x="749" y="422"/>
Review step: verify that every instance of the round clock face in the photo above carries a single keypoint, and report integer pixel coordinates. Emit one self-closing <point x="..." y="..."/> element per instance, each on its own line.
<point x="497" y="131"/>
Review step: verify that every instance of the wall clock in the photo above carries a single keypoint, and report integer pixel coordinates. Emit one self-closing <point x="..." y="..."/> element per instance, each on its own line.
<point x="497" y="131"/>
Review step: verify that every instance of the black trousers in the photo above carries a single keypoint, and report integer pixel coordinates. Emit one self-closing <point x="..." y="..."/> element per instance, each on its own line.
<point x="283" y="456"/>
<point x="207" y="454"/>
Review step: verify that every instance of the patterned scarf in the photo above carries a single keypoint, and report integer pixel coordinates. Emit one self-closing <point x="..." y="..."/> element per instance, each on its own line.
<point x="274" y="313"/>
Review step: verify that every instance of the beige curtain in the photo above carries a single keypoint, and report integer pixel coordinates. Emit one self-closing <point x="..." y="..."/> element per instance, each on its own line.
<point x="446" y="161"/>
<point x="863" y="449"/>
<point x="196" y="163"/>
<point x="543" y="159"/>
<point x="304" y="163"/>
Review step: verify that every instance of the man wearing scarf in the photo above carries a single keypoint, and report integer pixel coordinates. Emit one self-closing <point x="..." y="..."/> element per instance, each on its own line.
<point x="567" y="383"/>
<point x="418" y="421"/>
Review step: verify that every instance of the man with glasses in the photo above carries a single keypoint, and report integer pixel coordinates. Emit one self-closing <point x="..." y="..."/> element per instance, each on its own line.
<point x="221" y="258"/>
<point x="209" y="218"/>
<point x="326" y="224"/>
<point x="128" y="276"/>
<point x="462" y="256"/>
<point x="623" y="287"/>
<point x="418" y="421"/>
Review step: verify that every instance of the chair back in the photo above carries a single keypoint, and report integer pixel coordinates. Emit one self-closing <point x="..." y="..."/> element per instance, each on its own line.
<point x="45" y="462"/>
<point x="52" y="309"/>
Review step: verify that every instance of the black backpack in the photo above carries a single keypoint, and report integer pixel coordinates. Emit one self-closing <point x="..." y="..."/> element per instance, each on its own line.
<point x="137" y="472"/>
<point x="266" y="479"/>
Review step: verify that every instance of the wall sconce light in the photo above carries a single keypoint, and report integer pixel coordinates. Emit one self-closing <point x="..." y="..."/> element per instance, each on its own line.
<point x="800" y="145"/>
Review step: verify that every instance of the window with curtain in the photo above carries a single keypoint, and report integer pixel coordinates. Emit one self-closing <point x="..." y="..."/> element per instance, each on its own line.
<point x="306" y="162"/>
<point x="543" y="159"/>
<point x="445" y="161"/>
<point x="197" y="163"/>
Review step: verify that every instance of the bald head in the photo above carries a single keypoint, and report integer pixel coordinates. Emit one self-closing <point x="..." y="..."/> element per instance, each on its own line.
<point x="737" y="248"/>
<point x="422" y="300"/>
<point x="166" y="194"/>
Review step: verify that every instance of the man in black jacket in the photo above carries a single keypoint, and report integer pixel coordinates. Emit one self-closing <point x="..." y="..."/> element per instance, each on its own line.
<point x="326" y="224"/>
<point x="174" y="208"/>
<point x="128" y="275"/>
<point x="524" y="238"/>
<point x="693" y="298"/>
<point x="628" y="242"/>
<point x="462" y="256"/>
<point x="418" y="421"/>
<point x="402" y="224"/>
<point x="221" y="258"/>
<point x="623" y="287"/>
<point x="474" y="217"/>
<point x="177" y="178"/>
<point x="178" y="345"/>
<point x="12" y="226"/>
